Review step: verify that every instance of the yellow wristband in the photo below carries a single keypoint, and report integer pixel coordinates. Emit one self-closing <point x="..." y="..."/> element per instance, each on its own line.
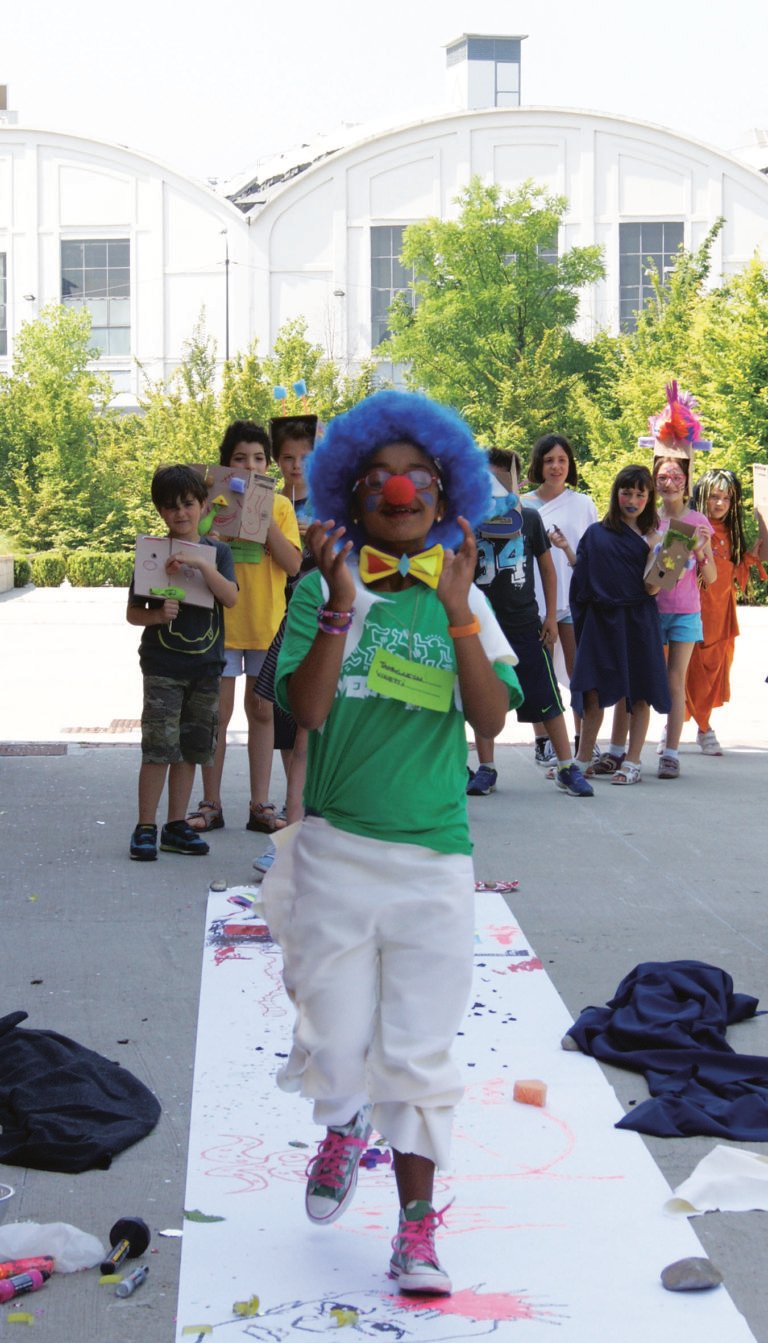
<point x="462" y="631"/>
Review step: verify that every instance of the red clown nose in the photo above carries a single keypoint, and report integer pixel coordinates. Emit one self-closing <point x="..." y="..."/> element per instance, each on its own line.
<point x="399" y="490"/>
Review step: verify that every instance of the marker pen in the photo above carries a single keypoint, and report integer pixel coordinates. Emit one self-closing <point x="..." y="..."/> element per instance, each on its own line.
<point x="10" y="1267"/>
<point x="21" y="1283"/>
<point x="132" y="1281"/>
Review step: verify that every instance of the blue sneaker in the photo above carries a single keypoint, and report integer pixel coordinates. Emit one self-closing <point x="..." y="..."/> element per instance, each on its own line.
<point x="482" y="782"/>
<point x="178" y="837"/>
<point x="144" y="844"/>
<point x="571" y="780"/>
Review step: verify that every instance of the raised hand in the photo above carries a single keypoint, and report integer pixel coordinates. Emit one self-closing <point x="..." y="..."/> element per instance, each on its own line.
<point x="321" y="540"/>
<point x="457" y="576"/>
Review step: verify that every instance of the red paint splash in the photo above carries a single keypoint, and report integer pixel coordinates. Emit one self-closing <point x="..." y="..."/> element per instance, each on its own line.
<point x="533" y="964"/>
<point x="472" y="1305"/>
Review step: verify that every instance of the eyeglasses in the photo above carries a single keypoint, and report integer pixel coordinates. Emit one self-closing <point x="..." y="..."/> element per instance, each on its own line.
<point x="375" y="479"/>
<point x="670" y="478"/>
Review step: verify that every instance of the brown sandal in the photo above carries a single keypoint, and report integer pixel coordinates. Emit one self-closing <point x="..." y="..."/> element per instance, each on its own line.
<point x="209" y="815"/>
<point x="609" y="764"/>
<point x="264" y="818"/>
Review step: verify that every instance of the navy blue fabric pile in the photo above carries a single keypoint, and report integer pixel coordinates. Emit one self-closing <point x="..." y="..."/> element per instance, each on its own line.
<point x="668" y="1020"/>
<point x="63" y="1107"/>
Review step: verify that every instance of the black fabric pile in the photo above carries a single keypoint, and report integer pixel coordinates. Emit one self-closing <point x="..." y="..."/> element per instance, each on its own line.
<point x="63" y="1107"/>
<point x="668" y="1020"/>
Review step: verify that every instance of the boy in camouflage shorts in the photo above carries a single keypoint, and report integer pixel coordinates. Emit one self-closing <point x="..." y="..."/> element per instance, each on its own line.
<point x="181" y="654"/>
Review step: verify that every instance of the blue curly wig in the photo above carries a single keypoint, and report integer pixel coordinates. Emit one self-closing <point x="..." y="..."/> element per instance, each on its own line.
<point x="350" y="441"/>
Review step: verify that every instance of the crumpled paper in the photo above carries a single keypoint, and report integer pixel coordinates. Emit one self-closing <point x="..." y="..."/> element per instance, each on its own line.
<point x="728" y="1179"/>
<point x="71" y="1248"/>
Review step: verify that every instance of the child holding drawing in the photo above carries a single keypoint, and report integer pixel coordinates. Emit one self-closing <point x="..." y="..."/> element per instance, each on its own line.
<point x="388" y="649"/>
<point x="182" y="654"/>
<point x="261" y="576"/>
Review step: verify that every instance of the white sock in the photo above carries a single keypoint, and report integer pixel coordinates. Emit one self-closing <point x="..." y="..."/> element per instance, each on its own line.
<point x="615" y="749"/>
<point x="565" y="764"/>
<point x="669" y="751"/>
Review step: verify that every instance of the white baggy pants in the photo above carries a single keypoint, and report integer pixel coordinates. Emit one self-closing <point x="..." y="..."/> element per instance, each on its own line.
<point x="377" y="943"/>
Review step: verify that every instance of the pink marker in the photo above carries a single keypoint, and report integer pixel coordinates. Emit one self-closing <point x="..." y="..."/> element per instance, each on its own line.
<point x="23" y="1283"/>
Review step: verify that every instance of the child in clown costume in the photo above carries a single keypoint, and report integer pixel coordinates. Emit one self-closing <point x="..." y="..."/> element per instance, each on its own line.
<point x="389" y="647"/>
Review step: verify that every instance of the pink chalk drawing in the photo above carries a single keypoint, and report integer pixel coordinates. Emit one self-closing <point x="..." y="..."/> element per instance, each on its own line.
<point x="533" y="964"/>
<point x="505" y="936"/>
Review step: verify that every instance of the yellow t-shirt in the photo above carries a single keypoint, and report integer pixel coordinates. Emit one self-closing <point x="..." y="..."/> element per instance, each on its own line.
<point x="254" y="621"/>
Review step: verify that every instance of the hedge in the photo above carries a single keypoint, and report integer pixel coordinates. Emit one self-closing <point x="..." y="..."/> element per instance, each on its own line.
<point x="48" y="568"/>
<point x="99" y="569"/>
<point x="22" y="572"/>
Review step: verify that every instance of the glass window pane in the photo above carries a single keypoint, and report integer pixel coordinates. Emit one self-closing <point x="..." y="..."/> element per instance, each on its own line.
<point x="380" y="301"/>
<point x="119" y="340"/>
<point x="118" y="254"/>
<point x="654" y="261"/>
<point x="381" y="272"/>
<point x="71" y="255"/>
<point x="652" y="237"/>
<point x="95" y="283"/>
<point x="381" y="244"/>
<point x="401" y="275"/>
<point x="673" y="237"/>
<point x="629" y="269"/>
<point x="71" y="283"/>
<point x="629" y="237"/>
<point x="95" y="253"/>
<point x="99" y="338"/>
<point x="97" y="307"/>
<point x="119" y="312"/>
<point x="3" y="342"/>
<point x="119" y="282"/>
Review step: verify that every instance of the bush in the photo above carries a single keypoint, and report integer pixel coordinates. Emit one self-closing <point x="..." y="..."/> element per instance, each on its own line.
<point x="99" y="569"/>
<point x="49" y="568"/>
<point x="22" y="572"/>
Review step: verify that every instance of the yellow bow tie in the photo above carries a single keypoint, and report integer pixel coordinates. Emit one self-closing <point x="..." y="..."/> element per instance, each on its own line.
<point x="426" y="566"/>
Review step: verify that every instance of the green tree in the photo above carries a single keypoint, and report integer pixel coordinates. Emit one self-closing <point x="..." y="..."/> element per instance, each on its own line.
<point x="732" y="350"/>
<point x="490" y="297"/>
<point x="629" y="372"/>
<point x="49" y="457"/>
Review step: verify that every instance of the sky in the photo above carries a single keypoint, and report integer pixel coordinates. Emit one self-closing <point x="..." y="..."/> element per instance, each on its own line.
<point x="212" y="88"/>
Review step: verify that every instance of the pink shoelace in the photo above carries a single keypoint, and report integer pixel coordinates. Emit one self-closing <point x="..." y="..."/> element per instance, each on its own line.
<point x="417" y="1239"/>
<point x="331" y="1165"/>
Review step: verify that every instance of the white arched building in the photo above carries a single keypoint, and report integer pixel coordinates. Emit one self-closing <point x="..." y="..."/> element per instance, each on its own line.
<point x="316" y="233"/>
<point x="327" y="239"/>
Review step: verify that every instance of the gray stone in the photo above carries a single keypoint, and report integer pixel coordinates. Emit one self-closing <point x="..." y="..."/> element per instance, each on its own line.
<point x="218" y="884"/>
<point x="691" y="1275"/>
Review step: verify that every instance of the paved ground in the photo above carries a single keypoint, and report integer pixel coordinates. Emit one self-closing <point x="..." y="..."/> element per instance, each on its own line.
<point x="108" y="952"/>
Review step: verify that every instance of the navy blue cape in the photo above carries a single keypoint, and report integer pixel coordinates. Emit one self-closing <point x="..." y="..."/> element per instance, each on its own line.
<point x="668" y="1020"/>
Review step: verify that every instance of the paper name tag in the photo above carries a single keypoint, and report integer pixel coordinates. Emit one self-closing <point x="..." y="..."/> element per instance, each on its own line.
<point x="411" y="682"/>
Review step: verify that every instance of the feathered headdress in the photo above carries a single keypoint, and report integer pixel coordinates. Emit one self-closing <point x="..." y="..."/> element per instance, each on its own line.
<point x="676" y="430"/>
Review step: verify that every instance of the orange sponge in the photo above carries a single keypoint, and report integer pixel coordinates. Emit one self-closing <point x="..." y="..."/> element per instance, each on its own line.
<point x="530" y="1092"/>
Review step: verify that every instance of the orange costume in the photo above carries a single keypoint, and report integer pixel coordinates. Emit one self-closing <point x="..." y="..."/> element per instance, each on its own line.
<point x="708" y="684"/>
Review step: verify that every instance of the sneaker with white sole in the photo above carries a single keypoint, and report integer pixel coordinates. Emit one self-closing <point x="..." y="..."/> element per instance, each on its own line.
<point x="332" y="1174"/>
<point x="482" y="782"/>
<point x="414" y="1264"/>
<point x="571" y="780"/>
<point x="544" y="752"/>
<point x="709" y="743"/>
<point x="669" y="767"/>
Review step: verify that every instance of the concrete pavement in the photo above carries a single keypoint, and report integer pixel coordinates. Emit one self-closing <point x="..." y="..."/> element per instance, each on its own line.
<point x="108" y="952"/>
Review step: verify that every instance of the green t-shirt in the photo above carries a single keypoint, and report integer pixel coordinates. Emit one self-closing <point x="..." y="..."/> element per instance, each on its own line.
<point x="379" y="767"/>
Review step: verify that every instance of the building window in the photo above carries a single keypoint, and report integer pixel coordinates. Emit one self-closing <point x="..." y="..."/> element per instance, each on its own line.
<point x="640" y="247"/>
<point x="3" y="306"/>
<point x="388" y="277"/>
<point x="97" y="276"/>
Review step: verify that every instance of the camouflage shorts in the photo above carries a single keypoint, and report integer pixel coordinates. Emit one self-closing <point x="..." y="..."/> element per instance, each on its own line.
<point x="180" y="720"/>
